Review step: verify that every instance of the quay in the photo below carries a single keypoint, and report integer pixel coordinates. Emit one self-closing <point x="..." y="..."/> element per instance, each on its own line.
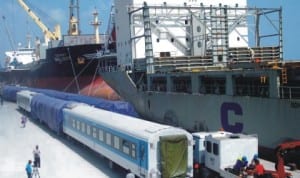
<point x="60" y="157"/>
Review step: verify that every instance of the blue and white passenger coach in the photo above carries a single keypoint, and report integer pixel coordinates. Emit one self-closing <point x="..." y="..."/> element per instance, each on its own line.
<point x="144" y="148"/>
<point x="23" y="99"/>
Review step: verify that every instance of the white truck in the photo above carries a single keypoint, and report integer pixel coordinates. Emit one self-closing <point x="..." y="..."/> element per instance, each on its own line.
<point x="217" y="152"/>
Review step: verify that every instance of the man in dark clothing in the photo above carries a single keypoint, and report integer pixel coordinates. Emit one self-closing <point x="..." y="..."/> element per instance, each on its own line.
<point x="240" y="165"/>
<point x="37" y="157"/>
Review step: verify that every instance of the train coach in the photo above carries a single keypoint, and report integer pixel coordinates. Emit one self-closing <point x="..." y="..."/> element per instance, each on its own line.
<point x="144" y="148"/>
<point x="24" y="98"/>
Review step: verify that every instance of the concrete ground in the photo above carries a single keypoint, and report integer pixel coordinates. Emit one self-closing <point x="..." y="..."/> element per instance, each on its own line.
<point x="60" y="157"/>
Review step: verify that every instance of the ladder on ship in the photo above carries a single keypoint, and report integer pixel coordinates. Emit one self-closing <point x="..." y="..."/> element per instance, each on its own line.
<point x="284" y="75"/>
<point x="219" y="34"/>
<point x="148" y="39"/>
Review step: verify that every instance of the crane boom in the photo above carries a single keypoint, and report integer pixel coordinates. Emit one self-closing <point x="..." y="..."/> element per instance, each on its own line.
<point x="56" y="35"/>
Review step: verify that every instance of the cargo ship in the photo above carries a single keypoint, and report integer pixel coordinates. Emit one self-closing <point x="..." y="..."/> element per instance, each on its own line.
<point x="214" y="65"/>
<point x="64" y="63"/>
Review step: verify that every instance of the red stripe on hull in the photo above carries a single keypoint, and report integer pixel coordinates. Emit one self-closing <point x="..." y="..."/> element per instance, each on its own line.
<point x="86" y="84"/>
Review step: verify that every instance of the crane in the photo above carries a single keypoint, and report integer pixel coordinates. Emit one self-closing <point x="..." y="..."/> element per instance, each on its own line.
<point x="48" y="35"/>
<point x="281" y="151"/>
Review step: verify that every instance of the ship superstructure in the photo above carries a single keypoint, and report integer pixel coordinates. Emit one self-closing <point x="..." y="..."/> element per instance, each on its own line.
<point x="206" y="66"/>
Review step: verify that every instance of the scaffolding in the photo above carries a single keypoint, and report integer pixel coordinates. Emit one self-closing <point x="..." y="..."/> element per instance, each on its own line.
<point x="178" y="26"/>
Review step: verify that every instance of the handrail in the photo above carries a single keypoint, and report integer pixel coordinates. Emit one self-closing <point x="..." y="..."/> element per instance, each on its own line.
<point x="289" y="92"/>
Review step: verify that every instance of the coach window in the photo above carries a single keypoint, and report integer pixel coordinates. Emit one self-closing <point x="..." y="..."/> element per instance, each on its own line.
<point x="108" y="138"/>
<point x="116" y="142"/>
<point x="94" y="132"/>
<point x="216" y="149"/>
<point x="82" y="127"/>
<point x="73" y="123"/>
<point x="101" y="137"/>
<point x="133" y="151"/>
<point x="125" y="147"/>
<point x="88" y="129"/>
<point x="78" y="125"/>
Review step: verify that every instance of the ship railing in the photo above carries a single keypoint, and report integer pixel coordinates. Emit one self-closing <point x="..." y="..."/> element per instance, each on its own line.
<point x="256" y="52"/>
<point x="241" y="57"/>
<point x="169" y="64"/>
<point x="289" y="92"/>
<point x="70" y="40"/>
<point x="184" y="63"/>
<point x="285" y="92"/>
<point x="251" y="90"/>
<point x="165" y="54"/>
<point x="111" y="68"/>
<point x="260" y="55"/>
<point x="254" y="64"/>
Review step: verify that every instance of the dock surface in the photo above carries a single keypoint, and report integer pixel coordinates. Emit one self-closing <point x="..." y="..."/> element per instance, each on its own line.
<point x="60" y="157"/>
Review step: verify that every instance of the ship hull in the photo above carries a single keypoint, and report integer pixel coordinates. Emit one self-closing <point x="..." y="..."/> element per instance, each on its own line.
<point x="273" y="120"/>
<point x="65" y="69"/>
<point x="69" y="61"/>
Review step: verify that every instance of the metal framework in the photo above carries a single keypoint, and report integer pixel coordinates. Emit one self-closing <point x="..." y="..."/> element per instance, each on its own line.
<point x="264" y="36"/>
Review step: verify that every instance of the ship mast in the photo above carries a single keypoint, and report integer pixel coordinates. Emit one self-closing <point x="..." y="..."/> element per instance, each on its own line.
<point x="96" y="23"/>
<point x="74" y="18"/>
<point x="28" y="38"/>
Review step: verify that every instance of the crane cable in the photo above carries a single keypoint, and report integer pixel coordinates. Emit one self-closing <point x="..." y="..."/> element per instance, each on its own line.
<point x="11" y="41"/>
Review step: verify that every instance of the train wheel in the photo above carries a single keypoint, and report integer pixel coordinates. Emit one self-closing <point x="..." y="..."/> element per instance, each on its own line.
<point x="110" y="164"/>
<point x="130" y="175"/>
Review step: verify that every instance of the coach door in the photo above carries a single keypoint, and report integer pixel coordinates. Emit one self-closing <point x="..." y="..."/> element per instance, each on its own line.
<point x="173" y="156"/>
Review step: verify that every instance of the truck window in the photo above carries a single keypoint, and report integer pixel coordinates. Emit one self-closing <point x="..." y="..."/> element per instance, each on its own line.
<point x="208" y="146"/>
<point x="216" y="149"/>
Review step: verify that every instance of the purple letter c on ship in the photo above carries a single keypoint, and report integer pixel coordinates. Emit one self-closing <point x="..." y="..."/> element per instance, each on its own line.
<point x="236" y="108"/>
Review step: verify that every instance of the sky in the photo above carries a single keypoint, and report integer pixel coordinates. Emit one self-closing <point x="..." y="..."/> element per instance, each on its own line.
<point x="18" y="24"/>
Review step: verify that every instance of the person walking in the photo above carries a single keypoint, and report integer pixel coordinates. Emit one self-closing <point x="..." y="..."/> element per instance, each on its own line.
<point x="23" y="121"/>
<point x="37" y="157"/>
<point x="29" y="169"/>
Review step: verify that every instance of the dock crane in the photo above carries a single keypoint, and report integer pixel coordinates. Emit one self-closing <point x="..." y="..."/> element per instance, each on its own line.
<point x="48" y="35"/>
